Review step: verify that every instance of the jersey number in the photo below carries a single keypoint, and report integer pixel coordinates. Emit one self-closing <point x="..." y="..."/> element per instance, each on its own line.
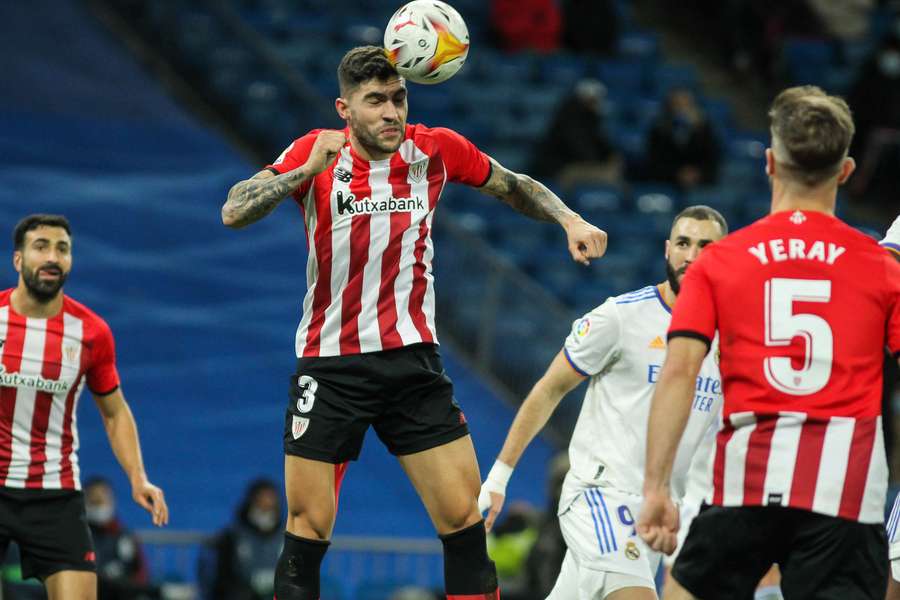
<point x="783" y="325"/>
<point x="307" y="396"/>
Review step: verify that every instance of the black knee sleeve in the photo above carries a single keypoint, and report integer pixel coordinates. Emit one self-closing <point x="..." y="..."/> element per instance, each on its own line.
<point x="297" y="571"/>
<point x="467" y="569"/>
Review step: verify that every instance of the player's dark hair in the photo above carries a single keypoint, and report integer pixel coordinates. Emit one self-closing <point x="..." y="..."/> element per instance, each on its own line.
<point x="701" y="212"/>
<point x="811" y="133"/>
<point x="32" y="222"/>
<point x="362" y="64"/>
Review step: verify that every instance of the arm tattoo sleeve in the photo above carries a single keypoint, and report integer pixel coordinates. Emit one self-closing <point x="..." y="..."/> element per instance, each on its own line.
<point x="252" y="199"/>
<point x="527" y="196"/>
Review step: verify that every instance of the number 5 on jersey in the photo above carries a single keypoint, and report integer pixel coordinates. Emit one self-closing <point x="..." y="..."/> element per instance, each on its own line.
<point x="783" y="325"/>
<point x="306" y="396"/>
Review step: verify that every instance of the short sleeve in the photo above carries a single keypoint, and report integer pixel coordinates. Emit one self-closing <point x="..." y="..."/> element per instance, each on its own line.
<point x="694" y="315"/>
<point x="295" y="155"/>
<point x="593" y="343"/>
<point x="891" y="239"/>
<point x="893" y="293"/>
<point x="102" y="375"/>
<point x="465" y="163"/>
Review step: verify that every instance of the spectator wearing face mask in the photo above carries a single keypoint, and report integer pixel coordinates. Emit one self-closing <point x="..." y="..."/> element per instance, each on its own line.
<point x="121" y="567"/>
<point x="682" y="147"/>
<point x="247" y="551"/>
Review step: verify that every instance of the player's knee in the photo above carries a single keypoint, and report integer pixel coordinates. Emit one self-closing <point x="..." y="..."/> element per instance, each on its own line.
<point x="467" y="568"/>
<point x="458" y="514"/>
<point x="297" y="571"/>
<point x="312" y="524"/>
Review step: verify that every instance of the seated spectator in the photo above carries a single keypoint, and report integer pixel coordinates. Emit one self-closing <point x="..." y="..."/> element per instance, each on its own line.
<point x="575" y="149"/>
<point x="590" y="26"/>
<point x="121" y="568"/>
<point x="247" y="551"/>
<point x="526" y="24"/>
<point x="682" y="147"/>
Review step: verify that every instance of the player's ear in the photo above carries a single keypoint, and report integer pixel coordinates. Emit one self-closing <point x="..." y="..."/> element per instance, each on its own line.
<point x="770" y="162"/>
<point x="342" y="107"/>
<point x="667" y="250"/>
<point x="17" y="261"/>
<point x="847" y="168"/>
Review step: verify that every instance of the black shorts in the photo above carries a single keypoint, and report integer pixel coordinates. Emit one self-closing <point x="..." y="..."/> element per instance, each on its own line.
<point x="403" y="393"/>
<point x="729" y="549"/>
<point x="50" y="528"/>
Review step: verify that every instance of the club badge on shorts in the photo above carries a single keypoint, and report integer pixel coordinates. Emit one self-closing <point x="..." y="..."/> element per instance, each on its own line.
<point x="631" y="551"/>
<point x="299" y="426"/>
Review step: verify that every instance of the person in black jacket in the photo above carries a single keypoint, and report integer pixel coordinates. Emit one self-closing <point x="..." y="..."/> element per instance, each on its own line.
<point x="682" y="147"/>
<point x="121" y="566"/>
<point x="248" y="549"/>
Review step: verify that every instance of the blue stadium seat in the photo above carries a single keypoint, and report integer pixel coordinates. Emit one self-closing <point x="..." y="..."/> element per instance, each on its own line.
<point x="639" y="45"/>
<point x="670" y="75"/>
<point x="598" y="197"/>
<point x="621" y="76"/>
<point x="562" y="69"/>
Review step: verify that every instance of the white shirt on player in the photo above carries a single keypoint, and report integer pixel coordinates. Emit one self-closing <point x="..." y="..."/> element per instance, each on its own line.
<point x="621" y="346"/>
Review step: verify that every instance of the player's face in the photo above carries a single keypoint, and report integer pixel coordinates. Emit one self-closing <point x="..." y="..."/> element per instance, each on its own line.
<point x="376" y="113"/>
<point x="44" y="262"/>
<point x="688" y="238"/>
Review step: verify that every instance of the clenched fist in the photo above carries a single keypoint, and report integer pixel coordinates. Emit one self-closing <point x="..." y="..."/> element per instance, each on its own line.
<point x="326" y="147"/>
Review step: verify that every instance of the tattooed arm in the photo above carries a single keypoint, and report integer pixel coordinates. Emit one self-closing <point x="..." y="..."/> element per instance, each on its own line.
<point x="533" y="199"/>
<point x="252" y="199"/>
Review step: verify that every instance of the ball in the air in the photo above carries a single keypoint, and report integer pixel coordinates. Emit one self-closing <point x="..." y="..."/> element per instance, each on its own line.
<point x="427" y="40"/>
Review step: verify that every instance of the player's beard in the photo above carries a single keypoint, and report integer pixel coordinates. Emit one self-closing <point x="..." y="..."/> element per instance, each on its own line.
<point x="672" y="276"/>
<point x="43" y="290"/>
<point x="370" y="141"/>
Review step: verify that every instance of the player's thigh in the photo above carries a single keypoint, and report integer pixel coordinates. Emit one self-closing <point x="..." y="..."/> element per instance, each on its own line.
<point x="629" y="592"/>
<point x="310" y="490"/>
<point x="332" y="401"/>
<point x="727" y="551"/>
<point x="829" y="558"/>
<point x="447" y="480"/>
<point x="71" y="585"/>
<point x="893" y="591"/>
<point x="674" y="591"/>
<point x="419" y="410"/>
<point x="566" y="586"/>
<point x="598" y="526"/>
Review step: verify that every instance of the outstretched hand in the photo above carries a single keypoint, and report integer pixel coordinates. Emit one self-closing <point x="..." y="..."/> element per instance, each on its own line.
<point x="585" y="240"/>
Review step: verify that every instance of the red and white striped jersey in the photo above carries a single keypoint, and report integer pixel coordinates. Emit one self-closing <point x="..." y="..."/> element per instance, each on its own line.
<point x="368" y="226"/>
<point x="45" y="365"/>
<point x="804" y="306"/>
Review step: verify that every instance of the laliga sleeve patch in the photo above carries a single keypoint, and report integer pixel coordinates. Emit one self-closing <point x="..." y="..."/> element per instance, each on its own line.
<point x="299" y="426"/>
<point x="583" y="327"/>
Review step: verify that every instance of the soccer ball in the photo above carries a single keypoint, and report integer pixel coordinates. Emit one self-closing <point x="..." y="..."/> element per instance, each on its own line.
<point x="427" y="40"/>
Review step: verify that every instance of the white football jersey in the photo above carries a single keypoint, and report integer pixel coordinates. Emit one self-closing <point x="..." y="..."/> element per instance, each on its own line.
<point x="621" y="346"/>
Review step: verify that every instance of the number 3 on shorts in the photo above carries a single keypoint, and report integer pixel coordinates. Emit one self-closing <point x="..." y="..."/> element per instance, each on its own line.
<point x="306" y="397"/>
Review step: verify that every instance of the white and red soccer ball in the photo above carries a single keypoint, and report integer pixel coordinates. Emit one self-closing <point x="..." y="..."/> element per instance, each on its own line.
<point x="427" y="40"/>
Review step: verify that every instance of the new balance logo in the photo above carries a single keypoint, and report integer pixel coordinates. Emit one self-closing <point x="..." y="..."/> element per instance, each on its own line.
<point x="351" y="206"/>
<point x="342" y="174"/>
<point x="657" y="344"/>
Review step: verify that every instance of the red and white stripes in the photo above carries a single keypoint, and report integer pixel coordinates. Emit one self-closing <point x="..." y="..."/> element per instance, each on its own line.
<point x="835" y="466"/>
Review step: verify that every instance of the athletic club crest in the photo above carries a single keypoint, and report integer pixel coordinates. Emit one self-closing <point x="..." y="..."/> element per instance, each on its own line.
<point x="299" y="426"/>
<point x="418" y="169"/>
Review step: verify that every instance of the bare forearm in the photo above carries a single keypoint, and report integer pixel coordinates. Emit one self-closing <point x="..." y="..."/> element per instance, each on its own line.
<point x="121" y="430"/>
<point x="531" y="418"/>
<point x="252" y="199"/>
<point x="533" y="199"/>
<point x="669" y="414"/>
